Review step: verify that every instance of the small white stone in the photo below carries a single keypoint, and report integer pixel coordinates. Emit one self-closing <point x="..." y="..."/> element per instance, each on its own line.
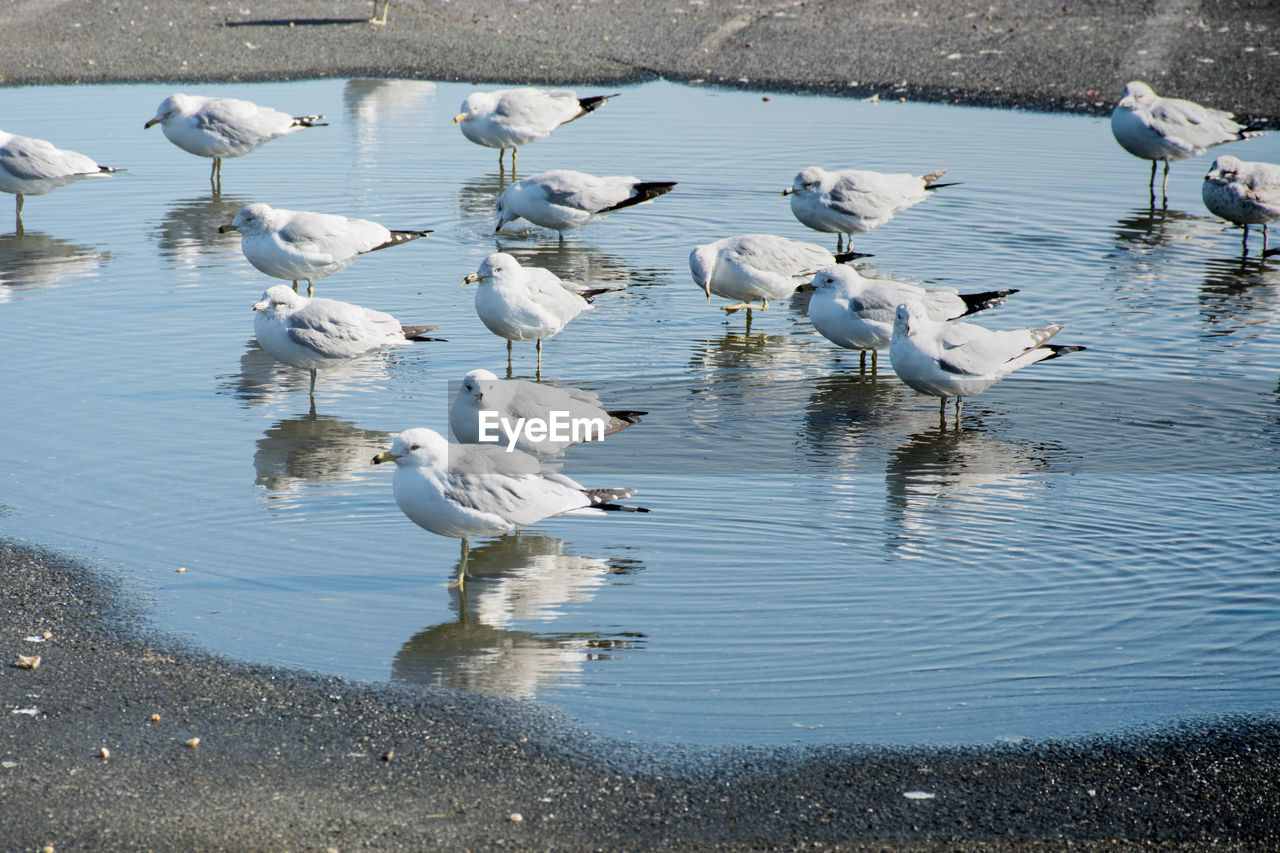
<point x="516" y="817"/>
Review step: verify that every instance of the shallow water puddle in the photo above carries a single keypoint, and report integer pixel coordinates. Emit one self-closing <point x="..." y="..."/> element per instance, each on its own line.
<point x="1095" y="550"/>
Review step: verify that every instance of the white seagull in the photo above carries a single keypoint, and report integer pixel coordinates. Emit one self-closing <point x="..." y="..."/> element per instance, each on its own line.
<point x="757" y="266"/>
<point x="858" y="313"/>
<point x="1155" y="128"/>
<point x="299" y="245"/>
<point x="317" y="333"/>
<point x="516" y="399"/>
<point x="522" y="303"/>
<point x="509" y="118"/>
<point x="1244" y="193"/>
<point x="961" y="359"/>
<point x="477" y="490"/>
<point x="30" y="166"/>
<point x="564" y="199"/>
<point x="223" y="127"/>
<point x="851" y="201"/>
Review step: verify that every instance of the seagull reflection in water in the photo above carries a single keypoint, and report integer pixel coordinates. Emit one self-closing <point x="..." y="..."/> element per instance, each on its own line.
<point x="515" y="580"/>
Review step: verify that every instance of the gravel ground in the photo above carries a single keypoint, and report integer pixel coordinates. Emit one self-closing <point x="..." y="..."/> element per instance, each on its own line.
<point x="95" y="745"/>
<point x="1050" y="54"/>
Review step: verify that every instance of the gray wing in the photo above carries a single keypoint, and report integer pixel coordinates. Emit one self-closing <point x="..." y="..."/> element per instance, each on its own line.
<point x="36" y="159"/>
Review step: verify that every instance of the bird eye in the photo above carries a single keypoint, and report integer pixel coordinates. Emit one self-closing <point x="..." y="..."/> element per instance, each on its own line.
<point x="413" y="447"/>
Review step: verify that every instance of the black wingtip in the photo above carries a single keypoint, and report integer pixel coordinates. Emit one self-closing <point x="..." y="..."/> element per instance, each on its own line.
<point x="419" y="333"/>
<point x="398" y="237"/>
<point x="628" y="415"/>
<point x="940" y="186"/>
<point x="594" y="102"/>
<point x="1060" y="350"/>
<point x="309" y="121"/>
<point x="976" y="302"/>
<point x="846" y="257"/>
<point x="644" y="191"/>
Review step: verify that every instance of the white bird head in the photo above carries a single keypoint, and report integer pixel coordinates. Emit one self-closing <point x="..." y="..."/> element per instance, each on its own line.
<point x="174" y="106"/>
<point x="835" y="278"/>
<point x="702" y="263"/>
<point x="907" y="318"/>
<point x="251" y="218"/>
<point x="808" y="179"/>
<point x="415" y="447"/>
<point x="476" y="382"/>
<point x="475" y="104"/>
<point x="495" y="266"/>
<point x="1225" y="169"/>
<point x="279" y="297"/>
<point x="1136" y="93"/>
<point x="501" y="207"/>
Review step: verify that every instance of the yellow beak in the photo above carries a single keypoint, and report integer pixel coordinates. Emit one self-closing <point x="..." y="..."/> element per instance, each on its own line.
<point x="385" y="456"/>
<point x="470" y="278"/>
<point x="223" y="229"/>
<point x="460" y="117"/>
<point x="788" y="190"/>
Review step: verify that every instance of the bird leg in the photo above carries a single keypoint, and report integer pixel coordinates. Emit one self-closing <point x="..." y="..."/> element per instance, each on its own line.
<point x="312" y="391"/>
<point x="1264" y="239"/>
<point x="18" y="227"/>
<point x="1164" y="186"/>
<point x="502" y="152"/>
<point x="295" y="285"/>
<point x="959" y="403"/>
<point x="874" y="355"/>
<point x="1152" y="183"/>
<point x="513" y="162"/>
<point x="862" y="361"/>
<point x="215" y="176"/>
<point x="461" y="580"/>
<point x="739" y="306"/>
<point x="311" y="289"/>
<point x="379" y="20"/>
<point x="538" y="371"/>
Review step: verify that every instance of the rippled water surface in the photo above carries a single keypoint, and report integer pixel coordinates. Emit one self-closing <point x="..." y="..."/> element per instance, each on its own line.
<point x="1098" y="548"/>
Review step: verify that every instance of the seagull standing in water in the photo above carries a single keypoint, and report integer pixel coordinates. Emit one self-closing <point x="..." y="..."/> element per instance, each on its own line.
<point x="482" y="490"/>
<point x="756" y="266"/>
<point x="299" y="245"/>
<point x="509" y="118"/>
<point x="522" y="303"/>
<point x="959" y="359"/>
<point x="1155" y="128"/>
<point x="1244" y="193"/>
<point x="317" y="333"/>
<point x="223" y="127"/>
<point x="516" y="399"/>
<point x="30" y="166"/>
<point x="564" y="199"/>
<point x="851" y="201"/>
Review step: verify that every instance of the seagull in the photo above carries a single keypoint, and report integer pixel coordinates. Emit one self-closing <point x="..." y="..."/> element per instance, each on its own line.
<point x="1155" y="128"/>
<point x="757" y="266"/>
<point x="223" y="127"/>
<point x="30" y="166"/>
<point x="522" y="303"/>
<point x="509" y="118"/>
<point x="960" y="359"/>
<point x="317" y="333"/>
<point x="298" y="245"/>
<point x="476" y="490"/>
<point x="851" y="201"/>
<point x="565" y="199"/>
<point x="858" y="313"/>
<point x="1243" y="193"/>
<point x="517" y="399"/>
